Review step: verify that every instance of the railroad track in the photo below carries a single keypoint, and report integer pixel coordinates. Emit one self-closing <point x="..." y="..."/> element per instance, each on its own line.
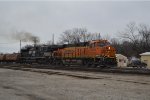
<point x="78" y="68"/>
<point x="73" y="73"/>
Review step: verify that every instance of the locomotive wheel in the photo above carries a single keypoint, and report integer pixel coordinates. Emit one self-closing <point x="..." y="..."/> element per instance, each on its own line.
<point x="85" y="63"/>
<point x="61" y="64"/>
<point x="95" y="65"/>
<point x="89" y="63"/>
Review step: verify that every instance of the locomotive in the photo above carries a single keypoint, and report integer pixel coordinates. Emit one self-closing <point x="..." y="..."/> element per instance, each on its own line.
<point x="42" y="54"/>
<point x="93" y="53"/>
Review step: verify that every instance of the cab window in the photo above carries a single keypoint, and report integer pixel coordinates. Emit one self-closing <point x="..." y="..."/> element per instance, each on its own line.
<point x="102" y="44"/>
<point x="92" y="45"/>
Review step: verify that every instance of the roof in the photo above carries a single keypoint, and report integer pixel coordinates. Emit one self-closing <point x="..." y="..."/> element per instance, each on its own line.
<point x="145" y="54"/>
<point x="120" y="55"/>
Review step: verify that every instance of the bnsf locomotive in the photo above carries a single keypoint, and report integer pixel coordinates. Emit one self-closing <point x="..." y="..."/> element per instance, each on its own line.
<point x="92" y="53"/>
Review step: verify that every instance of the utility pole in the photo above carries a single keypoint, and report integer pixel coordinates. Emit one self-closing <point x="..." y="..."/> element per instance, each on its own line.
<point x="53" y="39"/>
<point x="99" y="36"/>
<point x="84" y="37"/>
<point x="20" y="46"/>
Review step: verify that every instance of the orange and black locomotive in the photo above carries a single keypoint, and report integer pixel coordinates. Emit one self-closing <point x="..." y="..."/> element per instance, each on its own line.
<point x="92" y="53"/>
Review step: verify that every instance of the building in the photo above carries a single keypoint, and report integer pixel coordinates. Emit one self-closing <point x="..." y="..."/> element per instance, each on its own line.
<point x="145" y="57"/>
<point x="122" y="61"/>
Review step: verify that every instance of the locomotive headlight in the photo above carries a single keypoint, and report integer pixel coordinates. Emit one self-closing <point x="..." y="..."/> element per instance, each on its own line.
<point x="109" y="48"/>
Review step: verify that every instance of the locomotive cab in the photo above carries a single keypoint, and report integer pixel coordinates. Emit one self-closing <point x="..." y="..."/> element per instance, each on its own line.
<point x="102" y="48"/>
<point x="99" y="43"/>
<point x="102" y="52"/>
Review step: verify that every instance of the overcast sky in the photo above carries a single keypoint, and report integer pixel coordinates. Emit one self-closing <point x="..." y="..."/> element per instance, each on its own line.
<point x="44" y="18"/>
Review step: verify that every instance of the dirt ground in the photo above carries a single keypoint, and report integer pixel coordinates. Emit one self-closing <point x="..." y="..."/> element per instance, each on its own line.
<point x="25" y="85"/>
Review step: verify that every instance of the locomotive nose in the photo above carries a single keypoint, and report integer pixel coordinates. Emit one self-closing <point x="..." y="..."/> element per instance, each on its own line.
<point x="108" y="48"/>
<point x="109" y="51"/>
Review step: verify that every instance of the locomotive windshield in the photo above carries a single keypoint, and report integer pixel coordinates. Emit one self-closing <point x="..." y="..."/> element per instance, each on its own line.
<point x="102" y="44"/>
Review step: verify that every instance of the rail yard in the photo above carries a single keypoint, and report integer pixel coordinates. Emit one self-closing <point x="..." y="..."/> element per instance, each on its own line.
<point x="83" y="71"/>
<point x="94" y="53"/>
<point x="30" y="83"/>
<point x="74" y="50"/>
<point x="88" y="70"/>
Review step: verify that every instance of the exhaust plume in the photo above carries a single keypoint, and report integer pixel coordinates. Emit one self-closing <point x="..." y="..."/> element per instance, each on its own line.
<point x="25" y="37"/>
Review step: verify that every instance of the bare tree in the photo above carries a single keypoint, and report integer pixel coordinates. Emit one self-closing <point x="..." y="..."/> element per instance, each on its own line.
<point x="106" y="37"/>
<point x="144" y="32"/>
<point x="137" y="39"/>
<point x="66" y="36"/>
<point x="89" y="36"/>
<point x="131" y="32"/>
<point x="76" y="35"/>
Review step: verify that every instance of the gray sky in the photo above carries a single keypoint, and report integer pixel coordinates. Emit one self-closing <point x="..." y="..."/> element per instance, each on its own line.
<point x="43" y="18"/>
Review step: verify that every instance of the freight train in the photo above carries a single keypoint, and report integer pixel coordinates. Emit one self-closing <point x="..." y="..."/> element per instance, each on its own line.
<point x="93" y="53"/>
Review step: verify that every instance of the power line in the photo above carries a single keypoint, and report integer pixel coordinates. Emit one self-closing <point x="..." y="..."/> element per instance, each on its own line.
<point x="4" y="43"/>
<point x="9" y="43"/>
